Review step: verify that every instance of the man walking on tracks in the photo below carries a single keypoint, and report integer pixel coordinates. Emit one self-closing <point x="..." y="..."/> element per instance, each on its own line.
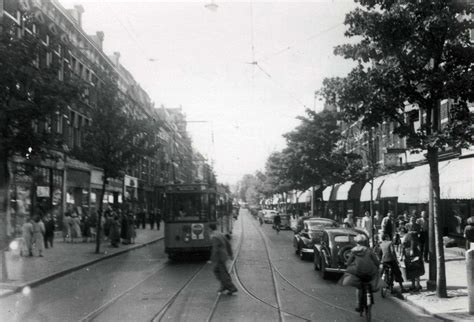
<point x="221" y="253"/>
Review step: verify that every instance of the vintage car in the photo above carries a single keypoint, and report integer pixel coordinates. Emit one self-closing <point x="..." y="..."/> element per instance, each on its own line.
<point x="331" y="255"/>
<point x="310" y="234"/>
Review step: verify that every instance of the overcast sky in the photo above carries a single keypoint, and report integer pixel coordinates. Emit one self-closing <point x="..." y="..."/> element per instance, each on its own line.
<point x="184" y="54"/>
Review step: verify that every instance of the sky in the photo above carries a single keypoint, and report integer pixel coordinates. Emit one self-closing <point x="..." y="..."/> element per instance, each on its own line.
<point x="185" y="55"/>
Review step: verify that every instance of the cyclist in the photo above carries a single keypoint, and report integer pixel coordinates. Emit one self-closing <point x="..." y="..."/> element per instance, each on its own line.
<point x="277" y="222"/>
<point x="362" y="265"/>
<point x="389" y="258"/>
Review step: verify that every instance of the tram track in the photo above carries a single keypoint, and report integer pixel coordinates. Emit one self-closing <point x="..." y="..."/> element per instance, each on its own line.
<point x="296" y="287"/>
<point x="281" y="312"/>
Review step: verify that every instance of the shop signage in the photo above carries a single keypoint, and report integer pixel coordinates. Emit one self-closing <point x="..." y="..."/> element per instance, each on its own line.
<point x="42" y="191"/>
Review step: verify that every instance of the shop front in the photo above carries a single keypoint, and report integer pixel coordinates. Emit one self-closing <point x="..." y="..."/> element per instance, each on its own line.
<point x="78" y="190"/>
<point x="34" y="190"/>
<point x="112" y="195"/>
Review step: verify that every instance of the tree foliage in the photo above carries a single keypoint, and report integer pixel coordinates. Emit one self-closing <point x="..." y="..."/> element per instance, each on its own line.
<point x="412" y="53"/>
<point x="32" y="98"/>
<point x="314" y="156"/>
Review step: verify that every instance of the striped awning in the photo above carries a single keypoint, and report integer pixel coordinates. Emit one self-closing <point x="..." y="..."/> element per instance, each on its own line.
<point x="365" y="193"/>
<point x="342" y="190"/>
<point x="327" y="193"/>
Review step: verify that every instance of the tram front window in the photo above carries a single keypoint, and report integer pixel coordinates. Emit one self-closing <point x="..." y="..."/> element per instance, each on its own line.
<point x="188" y="207"/>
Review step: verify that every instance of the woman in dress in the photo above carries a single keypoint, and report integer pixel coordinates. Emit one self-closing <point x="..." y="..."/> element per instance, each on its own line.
<point x="413" y="259"/>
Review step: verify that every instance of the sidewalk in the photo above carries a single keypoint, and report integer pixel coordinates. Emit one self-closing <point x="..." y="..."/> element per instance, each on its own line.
<point x="453" y="308"/>
<point x="64" y="258"/>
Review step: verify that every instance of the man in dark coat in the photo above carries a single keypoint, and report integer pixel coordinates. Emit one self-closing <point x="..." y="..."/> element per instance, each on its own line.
<point x="221" y="253"/>
<point x="158" y="218"/>
<point x="49" y="231"/>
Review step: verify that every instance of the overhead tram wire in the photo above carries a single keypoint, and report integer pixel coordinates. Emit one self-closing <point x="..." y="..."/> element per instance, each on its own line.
<point x="255" y="62"/>
<point x="130" y="34"/>
<point x="290" y="47"/>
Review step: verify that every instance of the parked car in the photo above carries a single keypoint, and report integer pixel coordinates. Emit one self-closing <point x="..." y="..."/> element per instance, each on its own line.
<point x="331" y="255"/>
<point x="310" y="234"/>
<point x="268" y="216"/>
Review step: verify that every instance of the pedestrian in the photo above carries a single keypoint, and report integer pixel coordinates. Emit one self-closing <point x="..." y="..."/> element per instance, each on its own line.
<point x="86" y="228"/>
<point x="389" y="258"/>
<point x="424" y="234"/>
<point x="349" y="221"/>
<point x="158" y="219"/>
<point x="221" y="253"/>
<point x="412" y="257"/>
<point x="124" y="230"/>
<point x="67" y="224"/>
<point x="27" y="234"/>
<point x="388" y="225"/>
<point x="151" y="218"/>
<point x="38" y="235"/>
<point x="48" y="231"/>
<point x="75" y="224"/>
<point x="469" y="232"/>
<point x="143" y="218"/>
<point x="131" y="233"/>
<point x="277" y="222"/>
<point x="107" y="223"/>
<point x="114" y="231"/>
<point x="367" y="224"/>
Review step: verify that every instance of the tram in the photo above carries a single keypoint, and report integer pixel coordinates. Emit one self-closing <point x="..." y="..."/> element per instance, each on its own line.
<point x="188" y="211"/>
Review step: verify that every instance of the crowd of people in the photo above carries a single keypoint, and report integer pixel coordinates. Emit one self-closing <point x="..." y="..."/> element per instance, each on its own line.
<point x="117" y="226"/>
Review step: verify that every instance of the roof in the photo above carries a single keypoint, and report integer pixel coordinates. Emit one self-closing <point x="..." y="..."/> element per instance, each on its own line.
<point x="342" y="231"/>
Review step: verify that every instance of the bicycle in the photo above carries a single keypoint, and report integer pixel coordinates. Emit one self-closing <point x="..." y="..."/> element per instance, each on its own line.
<point x="366" y="300"/>
<point x="387" y="277"/>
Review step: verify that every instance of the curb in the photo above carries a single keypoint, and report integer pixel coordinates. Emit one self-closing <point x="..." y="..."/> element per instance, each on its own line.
<point x="53" y="276"/>
<point x="441" y="316"/>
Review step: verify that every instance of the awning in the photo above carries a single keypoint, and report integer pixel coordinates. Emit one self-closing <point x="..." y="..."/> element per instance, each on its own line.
<point x="391" y="185"/>
<point x="456" y="179"/>
<point x="365" y="193"/>
<point x="327" y="193"/>
<point x="414" y="183"/>
<point x="342" y="190"/>
<point x="303" y="196"/>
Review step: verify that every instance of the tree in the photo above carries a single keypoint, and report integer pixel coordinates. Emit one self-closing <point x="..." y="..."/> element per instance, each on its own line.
<point x="115" y="141"/>
<point x="314" y="155"/>
<point x="32" y="97"/>
<point x="410" y="53"/>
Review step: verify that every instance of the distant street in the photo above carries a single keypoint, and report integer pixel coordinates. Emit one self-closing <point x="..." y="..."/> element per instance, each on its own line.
<point x="142" y="285"/>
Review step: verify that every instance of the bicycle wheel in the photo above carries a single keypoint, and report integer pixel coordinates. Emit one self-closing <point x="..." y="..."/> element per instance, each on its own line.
<point x="383" y="290"/>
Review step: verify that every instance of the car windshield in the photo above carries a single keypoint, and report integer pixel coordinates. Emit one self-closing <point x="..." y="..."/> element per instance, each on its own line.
<point x="344" y="238"/>
<point x="316" y="225"/>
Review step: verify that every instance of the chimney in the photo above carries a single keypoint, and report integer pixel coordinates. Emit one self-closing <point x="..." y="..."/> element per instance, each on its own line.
<point x="79" y="12"/>
<point x="115" y="58"/>
<point x="100" y="38"/>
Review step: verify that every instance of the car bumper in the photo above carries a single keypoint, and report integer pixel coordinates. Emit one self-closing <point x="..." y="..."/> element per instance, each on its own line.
<point x="307" y="250"/>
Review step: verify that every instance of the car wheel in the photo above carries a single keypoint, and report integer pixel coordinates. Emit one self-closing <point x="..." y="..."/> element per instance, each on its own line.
<point x="344" y="254"/>
<point x="324" y="274"/>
